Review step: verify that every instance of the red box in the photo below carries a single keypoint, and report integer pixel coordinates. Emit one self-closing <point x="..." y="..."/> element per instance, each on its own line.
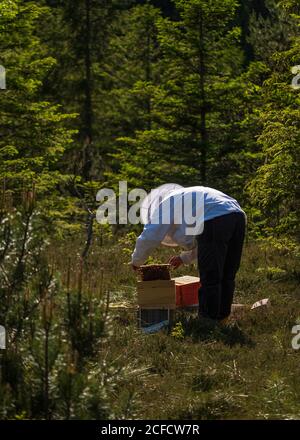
<point x="187" y="288"/>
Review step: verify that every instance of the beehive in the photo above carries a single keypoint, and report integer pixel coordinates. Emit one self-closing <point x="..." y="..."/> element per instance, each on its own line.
<point x="151" y="272"/>
<point x="156" y="294"/>
<point x="147" y="317"/>
<point x="159" y="299"/>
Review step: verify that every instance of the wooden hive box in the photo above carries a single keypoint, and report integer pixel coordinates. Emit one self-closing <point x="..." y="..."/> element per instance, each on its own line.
<point x="156" y="294"/>
<point x="156" y="301"/>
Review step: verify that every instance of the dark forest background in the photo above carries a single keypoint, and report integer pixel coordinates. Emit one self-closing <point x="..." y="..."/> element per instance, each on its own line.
<point x="195" y="92"/>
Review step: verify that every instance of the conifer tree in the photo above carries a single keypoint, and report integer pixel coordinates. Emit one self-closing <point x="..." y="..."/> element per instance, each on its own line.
<point x="191" y="115"/>
<point x="270" y="32"/>
<point x="275" y="188"/>
<point x="33" y="133"/>
<point x="78" y="37"/>
<point x="134" y="71"/>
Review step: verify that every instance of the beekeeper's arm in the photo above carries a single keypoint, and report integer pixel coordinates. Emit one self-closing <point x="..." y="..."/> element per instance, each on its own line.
<point x="189" y="257"/>
<point x="150" y="238"/>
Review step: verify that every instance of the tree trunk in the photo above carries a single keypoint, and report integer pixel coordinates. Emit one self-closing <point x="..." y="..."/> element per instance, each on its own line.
<point x="148" y="75"/>
<point x="46" y="374"/>
<point x="203" y="109"/>
<point x="88" y="112"/>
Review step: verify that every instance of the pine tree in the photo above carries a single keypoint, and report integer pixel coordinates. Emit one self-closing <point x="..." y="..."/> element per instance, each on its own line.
<point x="33" y="130"/>
<point x="78" y="37"/>
<point x="275" y="188"/>
<point x="270" y="32"/>
<point x="190" y="107"/>
<point x="134" y="71"/>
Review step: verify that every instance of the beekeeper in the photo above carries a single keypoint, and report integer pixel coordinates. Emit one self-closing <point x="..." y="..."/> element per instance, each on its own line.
<point x="210" y="226"/>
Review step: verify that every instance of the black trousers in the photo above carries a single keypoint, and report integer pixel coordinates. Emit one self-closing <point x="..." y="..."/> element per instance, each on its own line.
<point x="219" y="255"/>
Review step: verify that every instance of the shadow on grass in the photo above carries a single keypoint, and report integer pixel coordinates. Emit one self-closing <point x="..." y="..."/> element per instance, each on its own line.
<point x="208" y="331"/>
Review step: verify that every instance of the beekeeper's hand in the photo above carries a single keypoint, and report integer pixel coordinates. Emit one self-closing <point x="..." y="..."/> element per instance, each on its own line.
<point x="175" y="262"/>
<point x="135" y="268"/>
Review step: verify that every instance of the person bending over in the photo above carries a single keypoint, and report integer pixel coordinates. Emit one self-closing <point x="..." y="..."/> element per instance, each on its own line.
<point x="217" y="245"/>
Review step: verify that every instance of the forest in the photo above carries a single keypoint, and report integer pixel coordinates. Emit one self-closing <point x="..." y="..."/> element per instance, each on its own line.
<point x="97" y="92"/>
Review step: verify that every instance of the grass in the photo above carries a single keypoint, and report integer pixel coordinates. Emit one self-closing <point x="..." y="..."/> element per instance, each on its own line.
<point x="246" y="371"/>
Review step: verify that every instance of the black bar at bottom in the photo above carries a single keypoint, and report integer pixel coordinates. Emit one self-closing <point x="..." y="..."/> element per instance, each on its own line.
<point x="131" y="429"/>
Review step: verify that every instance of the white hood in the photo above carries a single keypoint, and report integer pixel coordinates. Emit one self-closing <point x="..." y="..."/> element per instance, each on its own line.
<point x="151" y="203"/>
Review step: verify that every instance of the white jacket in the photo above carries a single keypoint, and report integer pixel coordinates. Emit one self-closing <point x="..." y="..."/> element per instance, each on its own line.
<point x="215" y="204"/>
